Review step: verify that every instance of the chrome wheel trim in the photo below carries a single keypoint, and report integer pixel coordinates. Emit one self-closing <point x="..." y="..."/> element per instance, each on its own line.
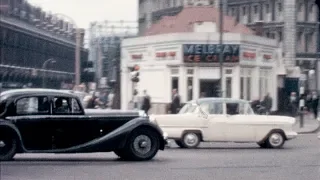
<point x="2" y="144"/>
<point x="276" y="139"/>
<point x="5" y="147"/>
<point x="191" y="139"/>
<point x="142" y="144"/>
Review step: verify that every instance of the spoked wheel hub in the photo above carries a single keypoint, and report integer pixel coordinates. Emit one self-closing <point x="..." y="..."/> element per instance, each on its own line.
<point x="142" y="144"/>
<point x="5" y="147"/>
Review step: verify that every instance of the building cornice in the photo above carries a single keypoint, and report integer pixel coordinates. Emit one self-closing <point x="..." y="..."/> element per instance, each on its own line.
<point x="32" y="30"/>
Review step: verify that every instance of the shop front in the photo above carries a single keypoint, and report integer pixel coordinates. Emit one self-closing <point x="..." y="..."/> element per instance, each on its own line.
<point x="190" y="63"/>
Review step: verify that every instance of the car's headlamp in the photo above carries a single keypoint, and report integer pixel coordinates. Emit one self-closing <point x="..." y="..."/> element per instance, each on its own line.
<point x="152" y="118"/>
<point x="142" y="114"/>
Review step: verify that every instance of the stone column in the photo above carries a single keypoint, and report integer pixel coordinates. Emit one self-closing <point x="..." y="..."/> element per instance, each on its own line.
<point x="290" y="32"/>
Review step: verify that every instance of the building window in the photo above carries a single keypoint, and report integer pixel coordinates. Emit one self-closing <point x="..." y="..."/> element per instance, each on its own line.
<point x="264" y="81"/>
<point x="279" y="7"/>
<point x="245" y="83"/>
<point x="174" y="71"/>
<point x="244" y="10"/>
<point x="280" y="36"/>
<point x="255" y="9"/>
<point x="228" y="87"/>
<point x="300" y="7"/>
<point x="174" y="84"/>
<point x="189" y="88"/>
<point x="267" y="8"/>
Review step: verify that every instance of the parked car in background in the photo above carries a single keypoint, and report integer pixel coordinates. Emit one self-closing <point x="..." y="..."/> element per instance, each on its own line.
<point x="51" y="121"/>
<point x="224" y="120"/>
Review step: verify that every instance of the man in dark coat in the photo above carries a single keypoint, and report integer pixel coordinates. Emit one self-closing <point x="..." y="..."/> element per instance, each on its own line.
<point x="314" y="104"/>
<point x="267" y="103"/>
<point x="293" y="104"/>
<point x="146" y="102"/>
<point x="175" y="104"/>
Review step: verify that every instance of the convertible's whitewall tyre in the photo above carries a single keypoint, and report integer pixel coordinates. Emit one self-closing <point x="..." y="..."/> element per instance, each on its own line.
<point x="275" y="140"/>
<point x="143" y="144"/>
<point x="190" y="140"/>
<point x="8" y="147"/>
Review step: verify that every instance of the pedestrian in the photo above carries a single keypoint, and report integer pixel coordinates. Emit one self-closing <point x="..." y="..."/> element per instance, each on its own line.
<point x="267" y="103"/>
<point x="175" y="103"/>
<point x="315" y="103"/>
<point x="293" y="104"/>
<point x="146" y="102"/>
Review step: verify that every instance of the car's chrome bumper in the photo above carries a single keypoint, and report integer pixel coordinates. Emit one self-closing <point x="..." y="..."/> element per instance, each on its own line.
<point x="291" y="135"/>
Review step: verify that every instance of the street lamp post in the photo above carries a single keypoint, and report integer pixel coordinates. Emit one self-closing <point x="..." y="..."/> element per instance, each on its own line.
<point x="44" y="66"/>
<point x="77" y="62"/>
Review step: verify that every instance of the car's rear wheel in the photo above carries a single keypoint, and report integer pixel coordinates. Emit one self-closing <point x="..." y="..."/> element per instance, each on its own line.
<point x="275" y="140"/>
<point x="263" y="145"/>
<point x="8" y="147"/>
<point x="143" y="144"/>
<point x="190" y="140"/>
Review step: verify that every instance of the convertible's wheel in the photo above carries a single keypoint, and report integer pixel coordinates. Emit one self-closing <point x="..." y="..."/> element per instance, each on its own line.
<point x="190" y="140"/>
<point x="8" y="147"/>
<point x="275" y="140"/>
<point x="143" y="144"/>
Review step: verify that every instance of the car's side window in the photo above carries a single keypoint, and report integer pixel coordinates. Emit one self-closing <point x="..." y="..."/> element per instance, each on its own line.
<point x="232" y="108"/>
<point x="61" y="105"/>
<point x="216" y="108"/>
<point x="75" y="106"/>
<point x="33" y="106"/>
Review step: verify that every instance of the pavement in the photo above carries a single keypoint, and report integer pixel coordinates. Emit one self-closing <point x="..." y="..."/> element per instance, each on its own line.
<point x="298" y="160"/>
<point x="311" y="125"/>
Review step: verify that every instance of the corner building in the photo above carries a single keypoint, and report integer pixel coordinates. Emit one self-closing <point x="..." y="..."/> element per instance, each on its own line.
<point x="182" y="52"/>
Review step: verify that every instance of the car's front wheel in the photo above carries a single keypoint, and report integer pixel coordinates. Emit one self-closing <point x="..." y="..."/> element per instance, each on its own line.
<point x="143" y="144"/>
<point x="190" y="140"/>
<point x="275" y="140"/>
<point x="8" y="147"/>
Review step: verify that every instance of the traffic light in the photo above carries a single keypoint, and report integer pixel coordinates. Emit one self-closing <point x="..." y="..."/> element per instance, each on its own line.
<point x="135" y="74"/>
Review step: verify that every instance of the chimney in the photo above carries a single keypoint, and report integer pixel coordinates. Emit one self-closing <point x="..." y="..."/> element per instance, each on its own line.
<point x="259" y="28"/>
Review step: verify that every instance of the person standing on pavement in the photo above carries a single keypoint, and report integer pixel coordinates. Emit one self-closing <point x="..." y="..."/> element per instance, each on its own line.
<point x="175" y="104"/>
<point x="315" y="103"/>
<point x="146" y="102"/>
<point x="293" y="104"/>
<point x="267" y="103"/>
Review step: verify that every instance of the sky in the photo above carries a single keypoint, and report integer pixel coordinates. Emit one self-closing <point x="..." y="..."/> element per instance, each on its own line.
<point x="85" y="11"/>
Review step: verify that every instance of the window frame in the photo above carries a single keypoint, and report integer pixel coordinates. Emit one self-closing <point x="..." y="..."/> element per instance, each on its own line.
<point x="32" y="114"/>
<point x="69" y="99"/>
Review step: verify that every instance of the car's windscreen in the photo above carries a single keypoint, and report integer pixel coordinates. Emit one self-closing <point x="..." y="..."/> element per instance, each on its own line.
<point x="188" y="108"/>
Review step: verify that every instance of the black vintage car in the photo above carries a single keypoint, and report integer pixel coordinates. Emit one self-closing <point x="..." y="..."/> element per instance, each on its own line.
<point x="51" y="121"/>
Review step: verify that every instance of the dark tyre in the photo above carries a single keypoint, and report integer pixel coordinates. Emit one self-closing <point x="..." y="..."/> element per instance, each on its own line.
<point x="179" y="143"/>
<point x="263" y="145"/>
<point x="143" y="144"/>
<point x="275" y="140"/>
<point x="190" y="140"/>
<point x="8" y="147"/>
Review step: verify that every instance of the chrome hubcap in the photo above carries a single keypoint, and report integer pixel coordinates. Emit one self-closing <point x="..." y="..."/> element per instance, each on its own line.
<point x="2" y="144"/>
<point x="191" y="139"/>
<point x="142" y="144"/>
<point x="276" y="139"/>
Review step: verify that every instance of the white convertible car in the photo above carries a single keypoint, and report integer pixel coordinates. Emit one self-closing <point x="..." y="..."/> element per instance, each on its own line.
<point x="224" y="120"/>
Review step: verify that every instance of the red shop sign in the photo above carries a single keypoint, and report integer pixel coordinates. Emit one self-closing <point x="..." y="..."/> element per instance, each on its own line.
<point x="267" y="57"/>
<point x="136" y="56"/>
<point x="249" y="55"/>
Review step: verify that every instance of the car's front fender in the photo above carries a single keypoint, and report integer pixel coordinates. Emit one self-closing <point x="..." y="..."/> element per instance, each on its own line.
<point x="15" y="130"/>
<point x="137" y="123"/>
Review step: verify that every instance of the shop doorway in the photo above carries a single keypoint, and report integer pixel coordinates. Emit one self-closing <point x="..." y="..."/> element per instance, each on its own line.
<point x="209" y="88"/>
